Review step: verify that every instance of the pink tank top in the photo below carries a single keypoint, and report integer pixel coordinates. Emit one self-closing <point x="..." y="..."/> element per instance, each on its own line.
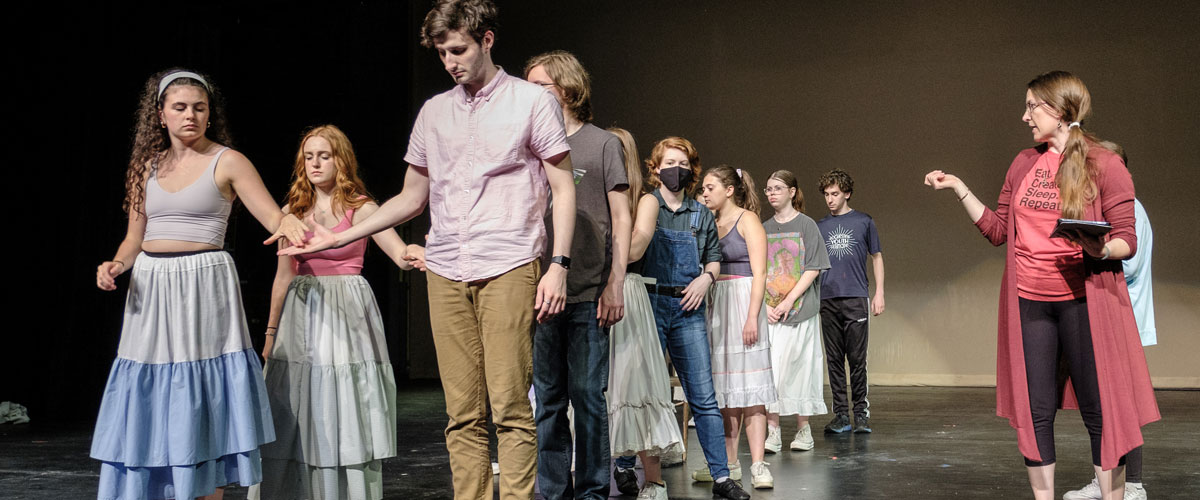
<point x="198" y="212"/>
<point x="333" y="261"/>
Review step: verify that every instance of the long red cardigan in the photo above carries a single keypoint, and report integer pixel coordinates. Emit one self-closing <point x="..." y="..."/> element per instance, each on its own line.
<point x="1126" y="395"/>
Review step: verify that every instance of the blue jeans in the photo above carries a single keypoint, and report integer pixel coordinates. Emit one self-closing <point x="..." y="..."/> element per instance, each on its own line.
<point x="570" y="363"/>
<point x="684" y="334"/>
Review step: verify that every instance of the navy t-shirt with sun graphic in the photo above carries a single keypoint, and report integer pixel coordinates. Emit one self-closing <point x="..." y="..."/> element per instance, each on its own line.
<point x="849" y="238"/>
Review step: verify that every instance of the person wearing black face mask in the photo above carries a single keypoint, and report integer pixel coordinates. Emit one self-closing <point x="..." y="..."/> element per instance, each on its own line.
<point x="682" y="255"/>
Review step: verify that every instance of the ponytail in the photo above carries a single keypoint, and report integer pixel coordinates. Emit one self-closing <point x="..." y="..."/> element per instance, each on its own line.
<point x="1076" y="179"/>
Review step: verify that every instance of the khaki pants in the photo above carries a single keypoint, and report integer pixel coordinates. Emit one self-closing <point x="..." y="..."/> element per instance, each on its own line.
<point x="483" y="334"/>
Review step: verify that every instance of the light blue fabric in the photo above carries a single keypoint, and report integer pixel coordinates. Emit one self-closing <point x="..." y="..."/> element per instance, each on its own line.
<point x="1137" y="277"/>
<point x="184" y="482"/>
<point x="181" y="429"/>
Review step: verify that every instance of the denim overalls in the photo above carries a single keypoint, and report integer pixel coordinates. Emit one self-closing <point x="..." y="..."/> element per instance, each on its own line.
<point x="674" y="261"/>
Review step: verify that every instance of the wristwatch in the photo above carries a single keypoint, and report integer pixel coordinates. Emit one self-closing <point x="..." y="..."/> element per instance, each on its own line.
<point x="563" y="261"/>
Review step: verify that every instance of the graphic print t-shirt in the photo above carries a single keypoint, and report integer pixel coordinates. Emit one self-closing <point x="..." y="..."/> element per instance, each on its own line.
<point x="793" y="247"/>
<point x="1048" y="269"/>
<point x="849" y="239"/>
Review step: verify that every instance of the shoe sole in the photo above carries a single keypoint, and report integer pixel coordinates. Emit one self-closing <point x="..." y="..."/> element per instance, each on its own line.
<point x="772" y="450"/>
<point x="801" y="448"/>
<point x="764" y="486"/>
<point x="837" y="431"/>
<point x="862" y="430"/>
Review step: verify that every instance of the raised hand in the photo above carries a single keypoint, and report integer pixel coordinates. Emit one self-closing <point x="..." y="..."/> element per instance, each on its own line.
<point x="939" y="180"/>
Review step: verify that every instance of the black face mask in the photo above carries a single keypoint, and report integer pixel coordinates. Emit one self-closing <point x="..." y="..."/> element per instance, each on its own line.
<point x="675" y="178"/>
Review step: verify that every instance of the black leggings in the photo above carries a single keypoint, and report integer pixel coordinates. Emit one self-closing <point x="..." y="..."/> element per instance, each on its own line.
<point x="1051" y="331"/>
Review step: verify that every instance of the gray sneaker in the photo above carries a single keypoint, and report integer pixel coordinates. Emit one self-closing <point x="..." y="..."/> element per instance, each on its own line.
<point x="804" y="439"/>
<point x="774" y="440"/>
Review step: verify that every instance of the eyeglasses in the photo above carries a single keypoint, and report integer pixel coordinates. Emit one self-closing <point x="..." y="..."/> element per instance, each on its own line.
<point x="1030" y="106"/>
<point x="775" y="189"/>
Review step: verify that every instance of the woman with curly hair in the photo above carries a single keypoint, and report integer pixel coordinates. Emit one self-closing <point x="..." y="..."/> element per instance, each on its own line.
<point x="329" y="379"/>
<point x="185" y="409"/>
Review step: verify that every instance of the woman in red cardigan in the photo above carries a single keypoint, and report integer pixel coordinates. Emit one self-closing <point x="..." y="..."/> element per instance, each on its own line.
<point x="1065" y="299"/>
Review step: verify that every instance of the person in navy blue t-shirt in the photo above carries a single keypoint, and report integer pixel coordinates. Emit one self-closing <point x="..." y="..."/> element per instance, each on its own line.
<point x="850" y="237"/>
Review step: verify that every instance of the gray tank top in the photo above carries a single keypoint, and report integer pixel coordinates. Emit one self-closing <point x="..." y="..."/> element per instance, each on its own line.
<point x="198" y="212"/>
<point x="735" y="256"/>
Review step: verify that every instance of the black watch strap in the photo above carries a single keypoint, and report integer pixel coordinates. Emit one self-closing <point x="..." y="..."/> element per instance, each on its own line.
<point x="563" y="261"/>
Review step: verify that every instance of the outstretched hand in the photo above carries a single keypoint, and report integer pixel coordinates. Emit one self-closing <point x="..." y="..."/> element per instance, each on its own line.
<point x="321" y="239"/>
<point x="291" y="228"/>
<point x="939" y="180"/>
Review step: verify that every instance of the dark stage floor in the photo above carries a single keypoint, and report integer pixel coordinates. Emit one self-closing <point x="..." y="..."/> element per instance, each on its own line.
<point x="929" y="443"/>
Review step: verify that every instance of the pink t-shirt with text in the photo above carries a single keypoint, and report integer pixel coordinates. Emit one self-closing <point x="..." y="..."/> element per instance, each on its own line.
<point x="1048" y="269"/>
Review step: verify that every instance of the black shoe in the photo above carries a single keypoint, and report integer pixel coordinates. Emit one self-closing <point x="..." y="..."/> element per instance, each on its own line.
<point x="862" y="424"/>
<point x="626" y="480"/>
<point x="730" y="489"/>
<point x="839" y="424"/>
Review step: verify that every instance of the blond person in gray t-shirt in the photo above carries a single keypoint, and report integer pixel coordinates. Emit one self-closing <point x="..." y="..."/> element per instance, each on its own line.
<point x="571" y="349"/>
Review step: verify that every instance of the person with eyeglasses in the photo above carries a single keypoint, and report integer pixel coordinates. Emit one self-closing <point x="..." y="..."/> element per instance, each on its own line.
<point x="570" y="350"/>
<point x="1065" y="298"/>
<point x="796" y="256"/>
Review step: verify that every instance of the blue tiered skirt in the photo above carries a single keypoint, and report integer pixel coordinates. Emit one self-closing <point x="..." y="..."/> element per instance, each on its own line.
<point x="185" y="408"/>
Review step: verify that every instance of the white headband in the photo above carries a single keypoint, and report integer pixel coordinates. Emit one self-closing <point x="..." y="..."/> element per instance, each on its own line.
<point x="1072" y="125"/>
<point x="166" y="80"/>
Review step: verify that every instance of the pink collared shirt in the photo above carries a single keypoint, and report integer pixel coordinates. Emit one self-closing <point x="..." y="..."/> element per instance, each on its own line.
<point x="487" y="188"/>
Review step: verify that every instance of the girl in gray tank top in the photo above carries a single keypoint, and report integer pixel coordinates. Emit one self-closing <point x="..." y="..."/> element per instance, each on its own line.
<point x="741" y="351"/>
<point x="185" y="402"/>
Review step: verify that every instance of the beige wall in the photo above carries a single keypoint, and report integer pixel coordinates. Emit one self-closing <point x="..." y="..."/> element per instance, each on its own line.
<point x="889" y="91"/>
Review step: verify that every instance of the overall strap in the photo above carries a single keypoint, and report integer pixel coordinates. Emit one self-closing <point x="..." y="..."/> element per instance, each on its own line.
<point x="695" y="219"/>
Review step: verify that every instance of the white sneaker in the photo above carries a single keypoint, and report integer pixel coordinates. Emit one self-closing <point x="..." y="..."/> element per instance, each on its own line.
<point x="760" y="476"/>
<point x="1089" y="492"/>
<point x="653" y="491"/>
<point x="774" y="441"/>
<point x="804" y="440"/>
<point x="1135" y="491"/>
<point x="703" y="475"/>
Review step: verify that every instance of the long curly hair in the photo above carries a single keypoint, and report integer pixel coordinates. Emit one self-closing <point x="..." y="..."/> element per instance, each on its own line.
<point x="349" y="192"/>
<point x="151" y="139"/>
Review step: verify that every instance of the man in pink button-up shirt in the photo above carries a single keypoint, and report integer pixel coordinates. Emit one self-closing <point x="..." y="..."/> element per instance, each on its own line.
<point x="483" y="154"/>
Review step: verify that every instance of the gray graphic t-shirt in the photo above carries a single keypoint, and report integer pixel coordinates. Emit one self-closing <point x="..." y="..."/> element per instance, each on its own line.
<point x="793" y="247"/>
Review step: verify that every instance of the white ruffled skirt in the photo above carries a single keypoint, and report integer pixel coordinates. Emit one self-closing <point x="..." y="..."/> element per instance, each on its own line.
<point x="741" y="374"/>
<point x="641" y="415"/>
